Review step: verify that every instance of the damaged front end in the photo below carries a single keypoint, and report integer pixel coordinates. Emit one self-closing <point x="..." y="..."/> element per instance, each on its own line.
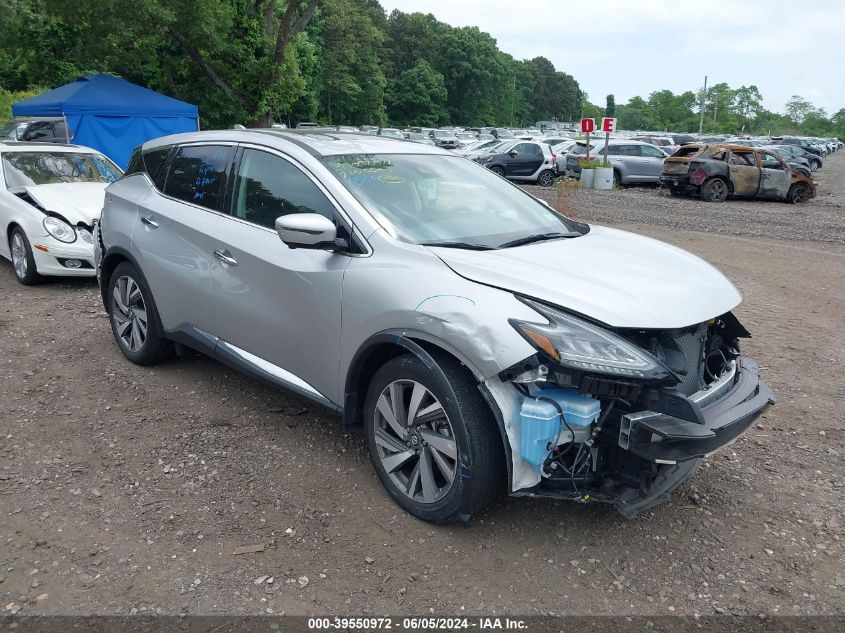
<point x="626" y="416"/>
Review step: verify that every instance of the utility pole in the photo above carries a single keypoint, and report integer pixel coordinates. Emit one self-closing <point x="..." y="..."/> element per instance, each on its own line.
<point x="701" y="107"/>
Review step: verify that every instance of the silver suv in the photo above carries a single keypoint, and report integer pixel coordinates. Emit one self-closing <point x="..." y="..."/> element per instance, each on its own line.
<point x="480" y="340"/>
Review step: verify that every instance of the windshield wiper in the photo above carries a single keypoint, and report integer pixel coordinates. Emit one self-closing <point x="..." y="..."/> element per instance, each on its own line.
<point x="464" y="245"/>
<point x="542" y="237"/>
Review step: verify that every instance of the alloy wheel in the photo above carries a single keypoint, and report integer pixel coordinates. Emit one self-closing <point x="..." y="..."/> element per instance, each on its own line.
<point x="415" y="441"/>
<point x="19" y="259"/>
<point x="129" y="313"/>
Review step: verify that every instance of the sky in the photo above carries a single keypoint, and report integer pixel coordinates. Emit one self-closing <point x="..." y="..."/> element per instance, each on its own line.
<point x="631" y="48"/>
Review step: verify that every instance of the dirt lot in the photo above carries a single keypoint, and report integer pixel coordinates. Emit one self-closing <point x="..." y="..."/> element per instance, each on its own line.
<point x="127" y="489"/>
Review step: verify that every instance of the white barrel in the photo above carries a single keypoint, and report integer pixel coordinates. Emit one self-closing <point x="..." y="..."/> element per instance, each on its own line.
<point x="603" y="178"/>
<point x="587" y="178"/>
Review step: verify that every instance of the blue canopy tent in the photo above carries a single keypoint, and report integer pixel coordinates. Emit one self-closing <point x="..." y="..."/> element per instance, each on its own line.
<point x="110" y="114"/>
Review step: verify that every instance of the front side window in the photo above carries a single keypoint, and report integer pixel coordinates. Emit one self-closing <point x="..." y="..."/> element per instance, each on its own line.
<point x="770" y="161"/>
<point x="436" y="200"/>
<point x="267" y="186"/>
<point x="198" y="173"/>
<point x="29" y="169"/>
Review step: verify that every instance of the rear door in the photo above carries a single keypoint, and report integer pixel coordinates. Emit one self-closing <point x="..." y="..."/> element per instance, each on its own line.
<point x="744" y="172"/>
<point x="275" y="304"/>
<point x="775" y="176"/>
<point x="173" y="238"/>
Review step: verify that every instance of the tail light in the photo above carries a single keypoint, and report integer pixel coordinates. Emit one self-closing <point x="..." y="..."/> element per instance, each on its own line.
<point x="698" y="176"/>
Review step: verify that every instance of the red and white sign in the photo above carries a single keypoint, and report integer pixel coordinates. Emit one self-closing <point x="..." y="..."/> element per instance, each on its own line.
<point x="608" y="124"/>
<point x="588" y="125"/>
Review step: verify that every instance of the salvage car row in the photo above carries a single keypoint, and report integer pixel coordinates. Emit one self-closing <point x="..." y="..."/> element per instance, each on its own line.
<point x="428" y="302"/>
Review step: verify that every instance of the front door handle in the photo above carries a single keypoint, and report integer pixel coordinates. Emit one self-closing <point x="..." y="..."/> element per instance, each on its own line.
<point x="149" y="221"/>
<point x="226" y="257"/>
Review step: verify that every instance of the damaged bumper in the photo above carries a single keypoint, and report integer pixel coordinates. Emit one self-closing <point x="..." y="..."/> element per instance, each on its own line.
<point x="645" y="454"/>
<point x="722" y="413"/>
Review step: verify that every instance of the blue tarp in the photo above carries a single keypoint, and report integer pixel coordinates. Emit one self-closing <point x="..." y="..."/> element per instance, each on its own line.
<point x="111" y="115"/>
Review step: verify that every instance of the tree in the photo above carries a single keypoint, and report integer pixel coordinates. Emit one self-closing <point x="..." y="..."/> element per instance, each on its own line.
<point x="419" y="97"/>
<point x="610" y="106"/>
<point x="797" y="108"/>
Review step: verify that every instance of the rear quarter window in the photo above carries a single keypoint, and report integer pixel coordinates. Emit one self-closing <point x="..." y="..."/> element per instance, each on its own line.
<point x="197" y="174"/>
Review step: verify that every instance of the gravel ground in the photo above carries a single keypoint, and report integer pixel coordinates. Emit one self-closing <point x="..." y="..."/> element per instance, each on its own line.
<point x="821" y="219"/>
<point x="188" y="488"/>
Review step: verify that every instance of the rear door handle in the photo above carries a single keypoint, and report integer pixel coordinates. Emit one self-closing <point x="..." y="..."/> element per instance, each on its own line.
<point x="149" y="221"/>
<point x="226" y="257"/>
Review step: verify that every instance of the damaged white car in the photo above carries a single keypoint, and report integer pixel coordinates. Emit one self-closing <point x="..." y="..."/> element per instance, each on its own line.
<point x="481" y="341"/>
<point x="50" y="198"/>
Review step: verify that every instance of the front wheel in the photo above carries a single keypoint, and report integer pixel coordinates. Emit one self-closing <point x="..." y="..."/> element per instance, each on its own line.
<point x="134" y="318"/>
<point x="714" y="190"/>
<point x="799" y="193"/>
<point x="498" y="171"/>
<point x="814" y="165"/>
<point x="22" y="259"/>
<point x="432" y="439"/>
<point x="546" y="178"/>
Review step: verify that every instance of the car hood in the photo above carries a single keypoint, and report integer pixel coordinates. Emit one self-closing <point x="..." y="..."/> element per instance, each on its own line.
<point x="618" y="278"/>
<point x="75" y="201"/>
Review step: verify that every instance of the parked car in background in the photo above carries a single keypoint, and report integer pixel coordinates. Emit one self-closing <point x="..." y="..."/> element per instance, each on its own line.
<point x="480" y="148"/>
<point x="524" y="161"/>
<point x="445" y="139"/>
<point x="796" y="162"/>
<point x="632" y="161"/>
<point x="50" y="197"/>
<point x="560" y="151"/>
<point x="419" y="137"/>
<point x="466" y="138"/>
<point x="390" y="132"/>
<point x="814" y="160"/>
<point x="42" y="130"/>
<point x="716" y="172"/>
<point x="453" y="318"/>
<point x="805" y="144"/>
<point x="663" y="142"/>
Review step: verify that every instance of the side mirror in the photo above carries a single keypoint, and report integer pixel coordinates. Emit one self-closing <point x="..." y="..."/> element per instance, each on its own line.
<point x="306" y="230"/>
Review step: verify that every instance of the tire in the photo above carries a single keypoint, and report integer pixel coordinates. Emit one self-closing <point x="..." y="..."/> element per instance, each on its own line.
<point x="546" y="178"/>
<point x="129" y="298"/>
<point x="498" y="171"/>
<point x="23" y="261"/>
<point x="617" y="178"/>
<point x="455" y="415"/>
<point x="714" y="190"/>
<point x="814" y="165"/>
<point x="799" y="193"/>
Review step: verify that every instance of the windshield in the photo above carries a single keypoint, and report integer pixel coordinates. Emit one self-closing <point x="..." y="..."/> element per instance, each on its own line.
<point x="504" y="133"/>
<point x="392" y="133"/>
<point x="444" y="200"/>
<point x="443" y="134"/>
<point x="27" y="169"/>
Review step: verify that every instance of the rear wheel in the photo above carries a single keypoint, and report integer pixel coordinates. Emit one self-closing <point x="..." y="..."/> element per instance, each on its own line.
<point x="799" y="192"/>
<point x="546" y="178"/>
<point x="22" y="258"/>
<point x="134" y="318"/>
<point x="432" y="439"/>
<point x="714" y="190"/>
<point x="814" y="165"/>
<point x="498" y="171"/>
<point x="617" y="178"/>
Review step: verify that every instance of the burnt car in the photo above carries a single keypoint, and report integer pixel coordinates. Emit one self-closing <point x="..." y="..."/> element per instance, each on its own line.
<point x="715" y="172"/>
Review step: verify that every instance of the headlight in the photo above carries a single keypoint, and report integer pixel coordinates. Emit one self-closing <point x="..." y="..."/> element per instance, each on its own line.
<point x="86" y="236"/>
<point x="60" y="229"/>
<point x="580" y="345"/>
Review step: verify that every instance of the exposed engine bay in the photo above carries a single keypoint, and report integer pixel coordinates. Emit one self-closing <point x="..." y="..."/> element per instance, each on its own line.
<point x="631" y="440"/>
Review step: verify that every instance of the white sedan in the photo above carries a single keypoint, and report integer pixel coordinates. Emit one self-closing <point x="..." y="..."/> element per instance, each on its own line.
<point x="49" y="199"/>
